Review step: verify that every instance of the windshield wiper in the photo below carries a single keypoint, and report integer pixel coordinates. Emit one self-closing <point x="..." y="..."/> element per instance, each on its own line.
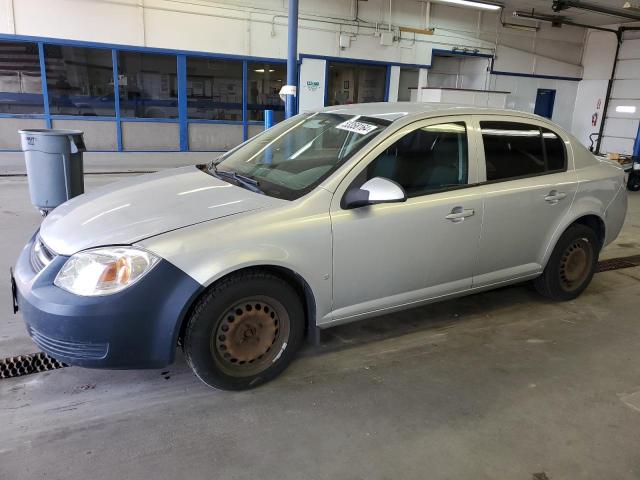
<point x="247" y="182"/>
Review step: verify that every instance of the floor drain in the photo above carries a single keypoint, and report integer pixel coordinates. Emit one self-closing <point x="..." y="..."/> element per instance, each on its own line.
<point x="26" y="364"/>
<point x="618" y="263"/>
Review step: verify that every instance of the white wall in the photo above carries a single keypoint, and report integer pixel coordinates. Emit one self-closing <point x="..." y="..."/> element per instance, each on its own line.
<point x="259" y="28"/>
<point x="523" y="92"/>
<point x="620" y="128"/>
<point x="459" y="72"/>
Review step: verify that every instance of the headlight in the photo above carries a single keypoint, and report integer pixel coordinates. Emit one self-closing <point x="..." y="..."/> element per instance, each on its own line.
<point x="103" y="271"/>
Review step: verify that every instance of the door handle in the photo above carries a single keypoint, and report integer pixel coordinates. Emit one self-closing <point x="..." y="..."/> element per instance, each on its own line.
<point x="554" y="197"/>
<point x="458" y="214"/>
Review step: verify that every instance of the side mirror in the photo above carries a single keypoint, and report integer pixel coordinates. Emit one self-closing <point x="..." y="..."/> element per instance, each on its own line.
<point x="374" y="191"/>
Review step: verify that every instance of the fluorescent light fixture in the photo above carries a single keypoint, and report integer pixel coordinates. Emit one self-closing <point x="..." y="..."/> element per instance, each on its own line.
<point x="515" y="26"/>
<point x="473" y="4"/>
<point x="261" y="70"/>
<point x="626" y="109"/>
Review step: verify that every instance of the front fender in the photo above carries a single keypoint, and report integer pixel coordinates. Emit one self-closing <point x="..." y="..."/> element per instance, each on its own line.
<point x="296" y="237"/>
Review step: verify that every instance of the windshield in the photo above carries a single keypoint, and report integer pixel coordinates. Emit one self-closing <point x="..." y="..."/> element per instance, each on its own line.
<point x="292" y="158"/>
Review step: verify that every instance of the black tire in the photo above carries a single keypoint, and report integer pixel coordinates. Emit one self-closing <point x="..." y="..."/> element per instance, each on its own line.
<point x="633" y="183"/>
<point x="244" y="331"/>
<point x="571" y="265"/>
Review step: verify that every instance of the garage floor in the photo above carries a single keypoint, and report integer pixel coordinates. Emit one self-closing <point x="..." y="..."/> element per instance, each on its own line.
<point x="501" y="385"/>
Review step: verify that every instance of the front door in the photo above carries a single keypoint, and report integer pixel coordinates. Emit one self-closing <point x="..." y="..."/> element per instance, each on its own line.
<point x="390" y="255"/>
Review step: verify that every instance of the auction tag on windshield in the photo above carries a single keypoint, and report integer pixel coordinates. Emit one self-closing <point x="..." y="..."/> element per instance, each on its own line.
<point x="356" y="127"/>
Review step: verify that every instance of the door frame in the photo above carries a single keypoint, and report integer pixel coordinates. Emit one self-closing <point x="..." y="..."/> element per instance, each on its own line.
<point x="336" y="209"/>
<point x="482" y="165"/>
<point x="553" y="100"/>
<point x="373" y="153"/>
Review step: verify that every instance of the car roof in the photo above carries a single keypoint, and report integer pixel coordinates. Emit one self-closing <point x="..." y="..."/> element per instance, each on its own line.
<point x="393" y="111"/>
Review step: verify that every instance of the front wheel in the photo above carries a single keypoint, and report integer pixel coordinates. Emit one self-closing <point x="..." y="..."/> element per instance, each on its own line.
<point x="244" y="331"/>
<point x="571" y="265"/>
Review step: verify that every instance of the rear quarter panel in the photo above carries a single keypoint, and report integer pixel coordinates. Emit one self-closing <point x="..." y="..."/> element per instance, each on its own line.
<point x="600" y="192"/>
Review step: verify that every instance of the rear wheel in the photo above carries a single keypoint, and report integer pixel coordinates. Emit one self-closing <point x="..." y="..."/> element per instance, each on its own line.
<point x="633" y="183"/>
<point x="244" y="331"/>
<point x="571" y="265"/>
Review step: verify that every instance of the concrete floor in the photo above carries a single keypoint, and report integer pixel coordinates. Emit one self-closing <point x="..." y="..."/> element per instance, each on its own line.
<point x="500" y="385"/>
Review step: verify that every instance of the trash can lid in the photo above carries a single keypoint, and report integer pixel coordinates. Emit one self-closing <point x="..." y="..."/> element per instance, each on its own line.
<point x="50" y="131"/>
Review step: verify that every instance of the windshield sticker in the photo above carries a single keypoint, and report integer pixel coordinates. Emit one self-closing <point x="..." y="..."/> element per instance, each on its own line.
<point x="356" y="127"/>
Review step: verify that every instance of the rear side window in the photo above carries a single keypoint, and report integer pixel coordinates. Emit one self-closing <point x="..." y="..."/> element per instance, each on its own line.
<point x="554" y="147"/>
<point x="514" y="150"/>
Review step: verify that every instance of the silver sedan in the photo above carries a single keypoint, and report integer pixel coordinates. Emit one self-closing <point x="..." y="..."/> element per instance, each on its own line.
<point x="328" y="217"/>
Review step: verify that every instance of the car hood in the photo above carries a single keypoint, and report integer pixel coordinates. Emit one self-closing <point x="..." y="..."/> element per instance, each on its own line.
<point x="140" y="207"/>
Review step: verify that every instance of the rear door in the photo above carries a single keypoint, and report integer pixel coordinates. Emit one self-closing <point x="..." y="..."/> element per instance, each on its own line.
<point x="529" y="185"/>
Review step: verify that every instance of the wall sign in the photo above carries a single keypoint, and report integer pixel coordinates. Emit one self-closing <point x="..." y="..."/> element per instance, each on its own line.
<point x="313" y="85"/>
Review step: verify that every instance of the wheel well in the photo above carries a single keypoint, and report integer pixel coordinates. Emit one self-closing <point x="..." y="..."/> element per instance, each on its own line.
<point x="292" y="278"/>
<point x="596" y="224"/>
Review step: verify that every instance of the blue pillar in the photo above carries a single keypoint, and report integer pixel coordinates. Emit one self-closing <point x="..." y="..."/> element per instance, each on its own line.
<point x="116" y="98"/>
<point x="182" y="103"/>
<point x="245" y="100"/>
<point x="292" y="57"/>
<point x="45" y="89"/>
<point x="268" y="119"/>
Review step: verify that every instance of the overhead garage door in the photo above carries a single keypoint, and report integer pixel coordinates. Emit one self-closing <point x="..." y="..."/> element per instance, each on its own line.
<point x="623" y="112"/>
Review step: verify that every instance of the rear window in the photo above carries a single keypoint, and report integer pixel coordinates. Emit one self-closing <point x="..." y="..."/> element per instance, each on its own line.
<point x="514" y="150"/>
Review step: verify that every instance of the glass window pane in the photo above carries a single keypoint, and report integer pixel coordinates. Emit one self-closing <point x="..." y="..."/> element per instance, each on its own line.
<point x="264" y="83"/>
<point x="351" y="83"/>
<point x="214" y="89"/>
<point x="512" y="150"/>
<point x="292" y="158"/>
<point x="426" y="160"/>
<point x="554" y="146"/>
<point x="79" y="81"/>
<point x="20" y="83"/>
<point x="148" y="85"/>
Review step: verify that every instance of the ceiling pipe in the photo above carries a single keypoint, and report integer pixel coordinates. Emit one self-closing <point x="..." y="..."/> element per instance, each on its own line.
<point x="557" y="20"/>
<point x="559" y="5"/>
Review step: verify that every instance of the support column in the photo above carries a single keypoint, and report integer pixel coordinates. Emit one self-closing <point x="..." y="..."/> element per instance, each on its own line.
<point x="292" y="60"/>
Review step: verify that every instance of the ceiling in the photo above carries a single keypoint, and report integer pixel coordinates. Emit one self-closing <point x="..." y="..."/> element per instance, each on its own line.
<point x="575" y="14"/>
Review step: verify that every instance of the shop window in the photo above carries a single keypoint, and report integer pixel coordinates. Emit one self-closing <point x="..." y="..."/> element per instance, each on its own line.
<point x="20" y="81"/>
<point x="148" y="85"/>
<point x="79" y="81"/>
<point x="214" y="89"/>
<point x="351" y="83"/>
<point x="264" y="83"/>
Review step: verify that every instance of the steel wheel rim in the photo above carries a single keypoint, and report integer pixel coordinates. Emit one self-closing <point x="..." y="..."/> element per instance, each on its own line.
<point x="575" y="264"/>
<point x="250" y="336"/>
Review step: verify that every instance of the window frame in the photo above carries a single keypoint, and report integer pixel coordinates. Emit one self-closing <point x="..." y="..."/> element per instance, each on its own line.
<point x="402" y="130"/>
<point x="356" y="65"/>
<point x="53" y="99"/>
<point x="482" y="163"/>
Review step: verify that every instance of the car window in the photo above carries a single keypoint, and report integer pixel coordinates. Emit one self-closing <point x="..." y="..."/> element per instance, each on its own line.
<point x="555" y="150"/>
<point x="426" y="160"/>
<point x="514" y="150"/>
<point x="293" y="157"/>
